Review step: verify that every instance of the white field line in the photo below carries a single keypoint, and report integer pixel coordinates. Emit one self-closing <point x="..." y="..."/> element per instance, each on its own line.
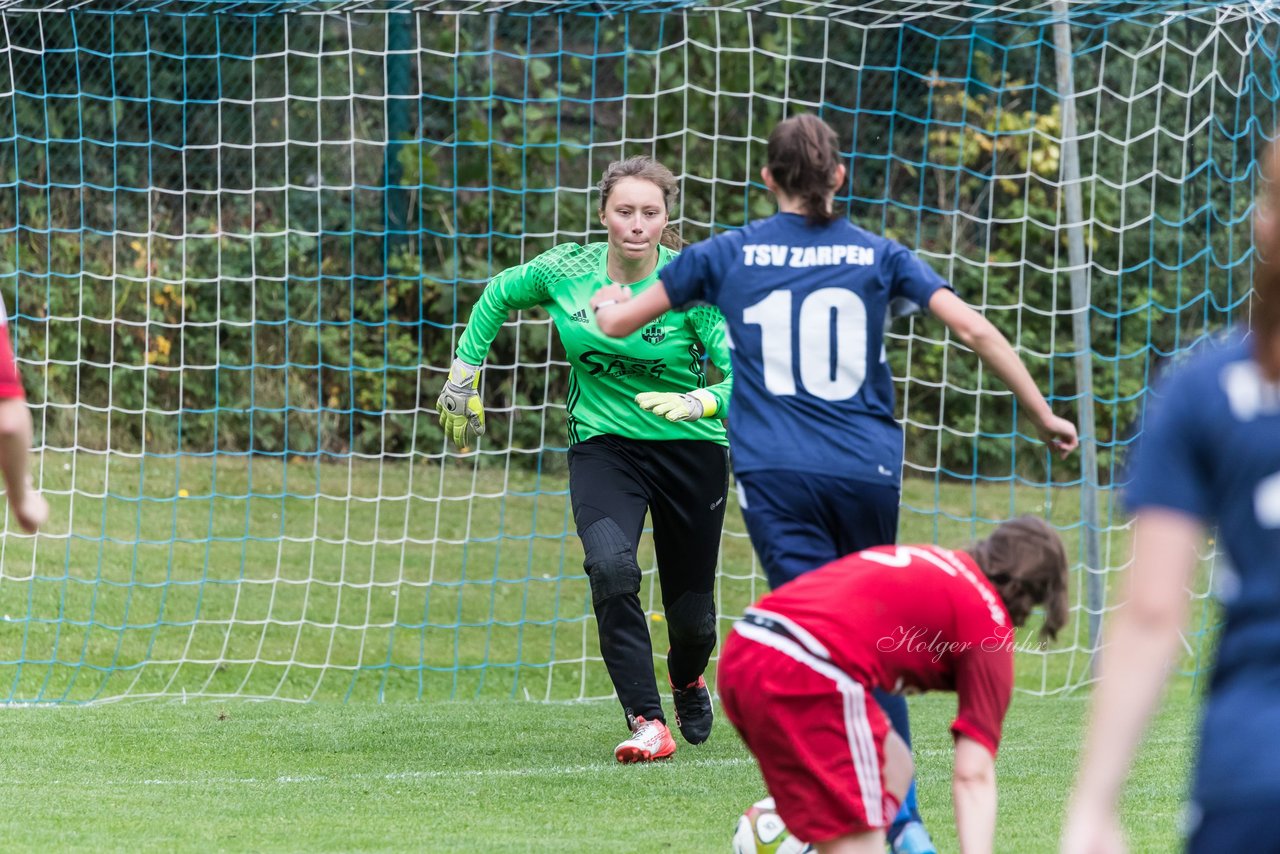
<point x="395" y="776"/>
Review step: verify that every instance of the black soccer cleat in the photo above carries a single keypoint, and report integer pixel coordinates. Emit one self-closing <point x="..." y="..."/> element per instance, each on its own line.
<point x="693" y="711"/>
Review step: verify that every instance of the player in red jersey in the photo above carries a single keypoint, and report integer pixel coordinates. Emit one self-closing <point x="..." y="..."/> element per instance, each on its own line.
<point x="797" y="672"/>
<point x="28" y="505"/>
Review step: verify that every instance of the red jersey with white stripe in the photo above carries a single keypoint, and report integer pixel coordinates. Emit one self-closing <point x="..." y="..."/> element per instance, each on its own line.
<point x="909" y="619"/>
<point x="10" y="384"/>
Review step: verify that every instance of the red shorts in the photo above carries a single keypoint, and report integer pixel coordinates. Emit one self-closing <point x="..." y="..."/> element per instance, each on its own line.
<point x="817" y="733"/>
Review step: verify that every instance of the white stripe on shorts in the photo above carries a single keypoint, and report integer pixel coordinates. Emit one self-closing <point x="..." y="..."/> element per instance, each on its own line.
<point x="862" y="743"/>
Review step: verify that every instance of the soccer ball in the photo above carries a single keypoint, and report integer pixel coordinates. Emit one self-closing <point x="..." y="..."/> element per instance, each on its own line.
<point x="761" y="831"/>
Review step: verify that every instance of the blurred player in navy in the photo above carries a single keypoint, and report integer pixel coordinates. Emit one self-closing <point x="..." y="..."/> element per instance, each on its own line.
<point x="27" y="505"/>
<point x="1209" y="455"/>
<point x="816" y="451"/>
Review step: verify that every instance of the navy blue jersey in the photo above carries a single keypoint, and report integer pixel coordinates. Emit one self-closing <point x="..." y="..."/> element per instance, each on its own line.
<point x="1211" y="449"/>
<point x="805" y="306"/>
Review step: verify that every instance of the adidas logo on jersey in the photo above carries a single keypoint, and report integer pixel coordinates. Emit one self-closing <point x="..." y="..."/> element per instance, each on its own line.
<point x="579" y="316"/>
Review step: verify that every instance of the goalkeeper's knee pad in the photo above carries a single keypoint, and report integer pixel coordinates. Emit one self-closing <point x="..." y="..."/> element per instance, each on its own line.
<point x="691" y="620"/>
<point x="610" y="561"/>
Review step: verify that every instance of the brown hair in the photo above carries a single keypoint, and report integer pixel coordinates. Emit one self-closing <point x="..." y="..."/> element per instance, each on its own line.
<point x="1264" y="318"/>
<point x="645" y="169"/>
<point x="1264" y="308"/>
<point x="1026" y="562"/>
<point x="803" y="158"/>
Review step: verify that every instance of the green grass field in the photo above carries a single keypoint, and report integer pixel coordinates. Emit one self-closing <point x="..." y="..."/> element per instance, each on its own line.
<point x="483" y="776"/>
<point x="437" y="601"/>
<point x="369" y="580"/>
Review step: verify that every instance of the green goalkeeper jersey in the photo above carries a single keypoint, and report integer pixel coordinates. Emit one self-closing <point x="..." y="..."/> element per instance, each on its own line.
<point x="607" y="373"/>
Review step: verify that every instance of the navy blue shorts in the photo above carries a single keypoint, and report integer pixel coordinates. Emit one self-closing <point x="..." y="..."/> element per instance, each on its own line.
<point x="799" y="521"/>
<point x="1250" y="827"/>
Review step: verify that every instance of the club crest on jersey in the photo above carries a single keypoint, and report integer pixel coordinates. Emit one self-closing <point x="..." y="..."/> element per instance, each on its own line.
<point x="654" y="333"/>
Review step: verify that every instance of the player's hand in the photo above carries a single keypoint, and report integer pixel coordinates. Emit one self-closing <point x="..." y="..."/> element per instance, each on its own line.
<point x="673" y="406"/>
<point x="610" y="295"/>
<point x="31" y="510"/>
<point x="1059" y="434"/>
<point x="459" y="403"/>
<point x="1089" y="832"/>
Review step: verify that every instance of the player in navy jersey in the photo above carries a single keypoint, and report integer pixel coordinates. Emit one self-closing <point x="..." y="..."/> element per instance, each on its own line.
<point x="817" y="453"/>
<point x="27" y="505"/>
<point x="1209" y="454"/>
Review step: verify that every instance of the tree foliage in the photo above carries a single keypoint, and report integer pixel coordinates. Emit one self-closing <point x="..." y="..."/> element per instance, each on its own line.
<point x="263" y="234"/>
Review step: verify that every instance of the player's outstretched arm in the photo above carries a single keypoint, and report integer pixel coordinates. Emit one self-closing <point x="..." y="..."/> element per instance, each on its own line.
<point x="27" y="504"/>
<point x="618" y="314"/>
<point x="973" y="788"/>
<point x="459" y="404"/>
<point x="978" y="334"/>
<point x="1141" y="642"/>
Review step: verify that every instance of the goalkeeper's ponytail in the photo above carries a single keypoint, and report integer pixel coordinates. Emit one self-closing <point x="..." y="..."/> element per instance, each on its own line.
<point x="645" y="169"/>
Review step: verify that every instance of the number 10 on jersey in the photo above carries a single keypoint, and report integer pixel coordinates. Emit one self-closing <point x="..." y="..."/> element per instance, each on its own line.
<point x="832" y="330"/>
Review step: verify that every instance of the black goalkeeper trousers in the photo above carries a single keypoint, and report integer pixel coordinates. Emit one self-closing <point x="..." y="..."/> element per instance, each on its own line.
<point x="683" y="485"/>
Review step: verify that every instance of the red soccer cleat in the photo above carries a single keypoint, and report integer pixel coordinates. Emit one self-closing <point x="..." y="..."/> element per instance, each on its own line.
<point x="650" y="740"/>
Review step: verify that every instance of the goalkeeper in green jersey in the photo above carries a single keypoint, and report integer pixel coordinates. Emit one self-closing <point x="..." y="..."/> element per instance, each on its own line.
<point x="646" y="433"/>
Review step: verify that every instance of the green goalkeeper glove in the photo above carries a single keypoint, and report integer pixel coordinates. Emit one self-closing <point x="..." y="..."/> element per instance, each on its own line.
<point x="698" y="403"/>
<point x="459" y="403"/>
